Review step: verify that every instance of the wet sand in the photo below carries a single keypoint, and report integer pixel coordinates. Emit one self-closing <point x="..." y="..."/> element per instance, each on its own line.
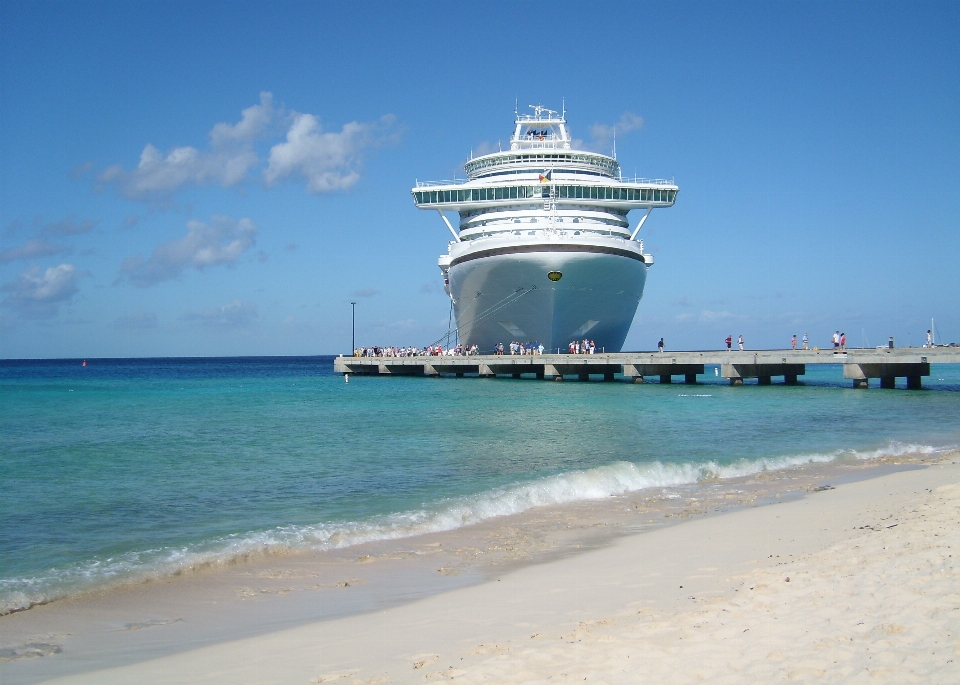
<point x="585" y="590"/>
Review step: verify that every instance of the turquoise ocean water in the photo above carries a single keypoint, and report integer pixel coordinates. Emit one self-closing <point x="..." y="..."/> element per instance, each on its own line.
<point x="125" y="469"/>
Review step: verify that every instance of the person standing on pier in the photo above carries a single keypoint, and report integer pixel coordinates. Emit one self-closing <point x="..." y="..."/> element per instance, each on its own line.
<point x="806" y="342"/>
<point x="740" y="342"/>
<point x="660" y="346"/>
<point x="729" y="341"/>
<point x="843" y="342"/>
<point x="793" y="342"/>
<point x="836" y="341"/>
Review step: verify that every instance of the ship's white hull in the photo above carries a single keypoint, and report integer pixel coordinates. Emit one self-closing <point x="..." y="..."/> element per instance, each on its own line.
<point x="502" y="291"/>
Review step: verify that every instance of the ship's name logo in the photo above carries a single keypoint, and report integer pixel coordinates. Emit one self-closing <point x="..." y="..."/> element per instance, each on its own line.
<point x="554" y="276"/>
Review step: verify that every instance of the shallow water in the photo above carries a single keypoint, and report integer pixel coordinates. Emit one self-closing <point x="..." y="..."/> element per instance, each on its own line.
<point x="131" y="468"/>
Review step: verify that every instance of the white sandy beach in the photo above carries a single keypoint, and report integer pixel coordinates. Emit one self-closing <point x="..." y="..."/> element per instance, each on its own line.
<point x="853" y="584"/>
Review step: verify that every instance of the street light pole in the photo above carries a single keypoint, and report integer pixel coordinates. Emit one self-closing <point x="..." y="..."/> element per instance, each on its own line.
<point x="353" y="329"/>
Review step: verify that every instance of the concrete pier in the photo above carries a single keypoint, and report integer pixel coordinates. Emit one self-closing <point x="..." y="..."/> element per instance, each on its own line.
<point x="764" y="373"/>
<point x="763" y="365"/>
<point x="888" y="374"/>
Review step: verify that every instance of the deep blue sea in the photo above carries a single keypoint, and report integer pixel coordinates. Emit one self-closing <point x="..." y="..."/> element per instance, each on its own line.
<point x="131" y="468"/>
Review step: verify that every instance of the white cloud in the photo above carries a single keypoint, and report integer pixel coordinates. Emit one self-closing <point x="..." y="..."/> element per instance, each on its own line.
<point x="226" y="163"/>
<point x="366" y="292"/>
<point x="222" y="241"/>
<point x="602" y="134"/>
<point x="327" y="160"/>
<point x="34" y="247"/>
<point x="69" y="226"/>
<point x="236" y="314"/>
<point x="484" y="148"/>
<point x="708" y="316"/>
<point x="253" y="123"/>
<point x="38" y="294"/>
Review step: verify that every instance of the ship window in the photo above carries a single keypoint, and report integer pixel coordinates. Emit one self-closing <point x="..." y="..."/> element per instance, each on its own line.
<point x="513" y="193"/>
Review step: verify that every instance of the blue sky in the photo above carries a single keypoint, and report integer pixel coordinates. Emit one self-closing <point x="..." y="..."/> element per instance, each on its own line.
<point x="204" y="178"/>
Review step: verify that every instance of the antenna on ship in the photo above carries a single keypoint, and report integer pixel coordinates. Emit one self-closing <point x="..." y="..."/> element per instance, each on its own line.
<point x="614" y="142"/>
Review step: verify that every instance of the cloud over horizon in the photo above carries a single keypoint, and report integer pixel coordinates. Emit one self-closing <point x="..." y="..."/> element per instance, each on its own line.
<point x="236" y="314"/>
<point x="138" y="321"/>
<point x="221" y="242"/>
<point x="38" y="294"/>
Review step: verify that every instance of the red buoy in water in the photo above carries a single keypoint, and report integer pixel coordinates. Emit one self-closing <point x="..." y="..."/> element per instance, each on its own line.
<point x="84" y="362"/>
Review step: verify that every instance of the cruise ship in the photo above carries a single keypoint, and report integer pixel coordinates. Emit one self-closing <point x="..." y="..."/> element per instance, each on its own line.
<point x="543" y="251"/>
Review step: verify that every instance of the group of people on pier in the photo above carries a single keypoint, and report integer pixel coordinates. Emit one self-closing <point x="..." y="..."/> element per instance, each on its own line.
<point x="582" y="347"/>
<point x="519" y="348"/>
<point x="429" y="351"/>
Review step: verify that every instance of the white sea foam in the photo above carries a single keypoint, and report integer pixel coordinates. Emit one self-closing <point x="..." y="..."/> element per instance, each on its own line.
<point x="596" y="483"/>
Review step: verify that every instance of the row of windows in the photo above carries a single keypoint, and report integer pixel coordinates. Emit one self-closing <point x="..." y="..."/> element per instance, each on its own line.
<point x="543" y="191"/>
<point x="608" y="165"/>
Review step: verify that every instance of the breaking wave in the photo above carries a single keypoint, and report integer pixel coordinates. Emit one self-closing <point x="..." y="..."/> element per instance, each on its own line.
<point x="604" y="481"/>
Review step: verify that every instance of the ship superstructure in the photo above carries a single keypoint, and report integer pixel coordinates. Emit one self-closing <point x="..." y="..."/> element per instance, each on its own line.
<point x="544" y="251"/>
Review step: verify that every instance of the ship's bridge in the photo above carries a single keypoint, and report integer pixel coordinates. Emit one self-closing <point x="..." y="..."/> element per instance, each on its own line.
<point x="623" y="194"/>
<point x="541" y="179"/>
<point x="541" y="140"/>
<point x="541" y="130"/>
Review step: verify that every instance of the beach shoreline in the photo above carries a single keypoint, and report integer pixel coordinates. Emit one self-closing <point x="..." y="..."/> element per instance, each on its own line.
<point x="258" y="601"/>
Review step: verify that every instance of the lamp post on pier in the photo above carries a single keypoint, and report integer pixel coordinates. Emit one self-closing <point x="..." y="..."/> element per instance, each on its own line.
<point x="353" y="329"/>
